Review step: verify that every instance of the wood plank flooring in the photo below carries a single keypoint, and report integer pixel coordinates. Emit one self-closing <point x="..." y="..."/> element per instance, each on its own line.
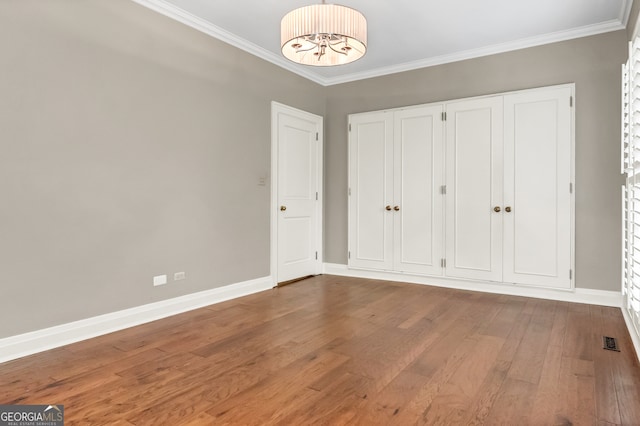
<point x="335" y="350"/>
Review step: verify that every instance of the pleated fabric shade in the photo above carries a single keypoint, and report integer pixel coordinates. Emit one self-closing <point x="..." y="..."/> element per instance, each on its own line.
<point x="324" y="35"/>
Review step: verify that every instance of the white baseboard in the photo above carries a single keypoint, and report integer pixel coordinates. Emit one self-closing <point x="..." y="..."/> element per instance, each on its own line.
<point x="577" y="295"/>
<point x="41" y="340"/>
<point x="635" y="338"/>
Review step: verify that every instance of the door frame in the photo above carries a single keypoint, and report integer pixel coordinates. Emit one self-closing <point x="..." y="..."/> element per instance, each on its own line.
<point x="276" y="109"/>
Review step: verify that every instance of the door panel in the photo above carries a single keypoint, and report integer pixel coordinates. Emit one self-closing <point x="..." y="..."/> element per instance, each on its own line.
<point x="506" y="162"/>
<point x="537" y="232"/>
<point x="418" y="155"/>
<point x="298" y="185"/>
<point x="371" y="186"/>
<point x="474" y="187"/>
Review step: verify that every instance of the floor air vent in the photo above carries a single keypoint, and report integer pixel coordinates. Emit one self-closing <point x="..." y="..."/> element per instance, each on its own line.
<point x="610" y="344"/>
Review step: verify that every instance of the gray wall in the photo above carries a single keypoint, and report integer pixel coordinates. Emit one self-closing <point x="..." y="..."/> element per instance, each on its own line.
<point x="593" y="63"/>
<point x="131" y="146"/>
<point x="633" y="19"/>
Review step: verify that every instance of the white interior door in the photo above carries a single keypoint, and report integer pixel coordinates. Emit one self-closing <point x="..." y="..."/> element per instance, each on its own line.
<point x="298" y="155"/>
<point x="474" y="189"/>
<point x="537" y="229"/>
<point x="371" y="191"/>
<point x="418" y="202"/>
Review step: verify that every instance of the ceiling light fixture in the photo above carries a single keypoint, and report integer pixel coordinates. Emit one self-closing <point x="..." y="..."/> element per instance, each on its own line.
<point x="323" y="35"/>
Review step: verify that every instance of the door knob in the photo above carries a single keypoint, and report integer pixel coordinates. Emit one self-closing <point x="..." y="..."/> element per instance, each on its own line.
<point x="396" y="208"/>
<point x="496" y="209"/>
<point x="283" y="208"/>
<point x="387" y="208"/>
<point x="507" y="209"/>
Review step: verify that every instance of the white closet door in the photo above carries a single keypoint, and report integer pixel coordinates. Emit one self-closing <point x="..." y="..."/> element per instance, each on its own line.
<point x="418" y="176"/>
<point x="371" y="191"/>
<point x="537" y="231"/>
<point x="474" y="188"/>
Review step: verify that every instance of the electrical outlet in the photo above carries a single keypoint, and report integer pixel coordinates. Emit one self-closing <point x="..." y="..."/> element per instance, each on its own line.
<point x="179" y="276"/>
<point x="159" y="280"/>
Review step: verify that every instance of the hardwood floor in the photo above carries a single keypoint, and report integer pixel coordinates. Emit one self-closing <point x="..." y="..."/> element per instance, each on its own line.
<point x="335" y="350"/>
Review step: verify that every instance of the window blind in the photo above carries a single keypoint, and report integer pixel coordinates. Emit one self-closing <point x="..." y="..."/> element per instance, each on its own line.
<point x="630" y="166"/>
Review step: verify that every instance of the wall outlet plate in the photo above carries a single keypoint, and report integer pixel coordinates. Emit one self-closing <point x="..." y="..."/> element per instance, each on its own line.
<point x="179" y="276"/>
<point x="159" y="280"/>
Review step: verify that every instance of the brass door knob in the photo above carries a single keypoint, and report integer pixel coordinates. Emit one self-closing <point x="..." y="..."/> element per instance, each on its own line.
<point x="387" y="208"/>
<point x="283" y="208"/>
<point x="396" y="208"/>
<point x="507" y="209"/>
<point x="496" y="209"/>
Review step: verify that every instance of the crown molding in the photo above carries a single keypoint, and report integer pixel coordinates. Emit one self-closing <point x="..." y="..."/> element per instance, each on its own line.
<point x="165" y="8"/>
<point x="625" y="12"/>
<point x="171" y="11"/>
<point x="585" y="31"/>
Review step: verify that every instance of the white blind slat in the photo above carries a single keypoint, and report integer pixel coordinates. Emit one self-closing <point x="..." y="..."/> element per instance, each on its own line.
<point x="630" y="193"/>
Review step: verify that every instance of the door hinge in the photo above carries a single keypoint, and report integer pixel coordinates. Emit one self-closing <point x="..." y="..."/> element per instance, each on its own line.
<point x="316" y="135"/>
<point x="570" y="274"/>
<point x="349" y="255"/>
<point x="349" y="191"/>
<point x="571" y="101"/>
<point x="316" y="255"/>
<point x="316" y="196"/>
<point x="443" y="189"/>
<point x="349" y="126"/>
<point x="443" y="115"/>
<point x="443" y="263"/>
<point x="571" y="188"/>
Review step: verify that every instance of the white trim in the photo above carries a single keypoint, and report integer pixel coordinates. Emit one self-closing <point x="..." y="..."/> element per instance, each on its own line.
<point x="495" y="49"/>
<point x="167" y="9"/>
<point x="572" y="195"/>
<point x="41" y="340"/>
<point x="635" y="339"/>
<point x="571" y="86"/>
<point x="576" y="295"/>
<point x="171" y="11"/>
<point x="625" y="12"/>
<point x="278" y="108"/>
<point x="273" y="217"/>
<point x="636" y="30"/>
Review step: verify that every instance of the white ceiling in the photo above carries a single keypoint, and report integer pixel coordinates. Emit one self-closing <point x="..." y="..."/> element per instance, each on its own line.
<point x="405" y="34"/>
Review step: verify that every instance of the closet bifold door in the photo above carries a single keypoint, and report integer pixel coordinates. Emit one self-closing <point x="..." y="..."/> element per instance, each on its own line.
<point x="474" y="167"/>
<point x="418" y="201"/>
<point x="371" y="191"/>
<point x="537" y="182"/>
